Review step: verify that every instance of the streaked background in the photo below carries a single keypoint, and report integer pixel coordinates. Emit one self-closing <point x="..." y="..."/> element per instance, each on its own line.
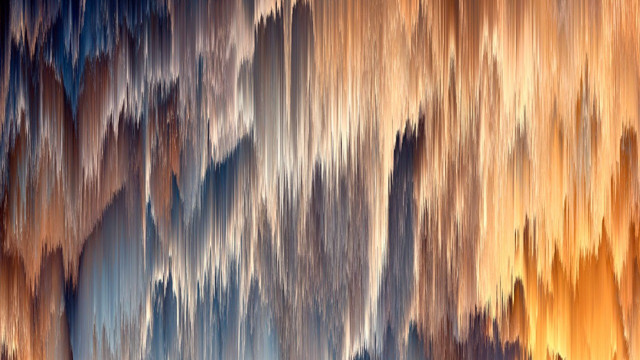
<point x="319" y="179"/>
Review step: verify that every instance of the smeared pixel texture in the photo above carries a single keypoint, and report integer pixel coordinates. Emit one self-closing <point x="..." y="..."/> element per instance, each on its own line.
<point x="319" y="179"/>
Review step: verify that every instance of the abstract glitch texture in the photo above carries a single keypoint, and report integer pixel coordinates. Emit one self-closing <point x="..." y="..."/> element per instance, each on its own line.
<point x="295" y="179"/>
